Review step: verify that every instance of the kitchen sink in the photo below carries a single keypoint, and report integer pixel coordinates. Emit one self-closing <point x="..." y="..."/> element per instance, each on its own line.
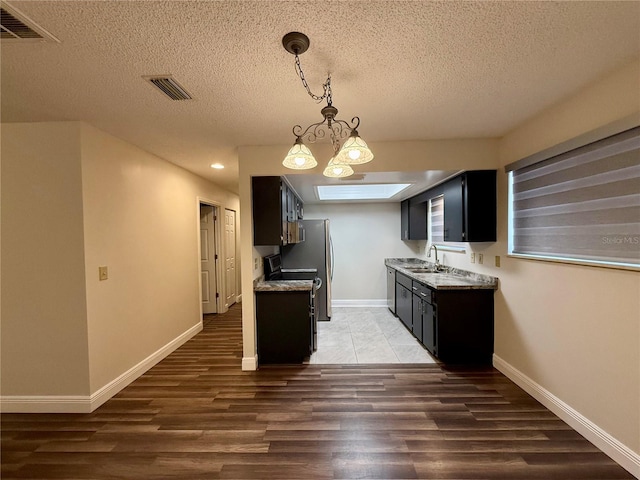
<point x="422" y="270"/>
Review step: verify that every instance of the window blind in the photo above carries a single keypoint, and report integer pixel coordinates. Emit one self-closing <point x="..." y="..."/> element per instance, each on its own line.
<point x="583" y="204"/>
<point x="436" y="218"/>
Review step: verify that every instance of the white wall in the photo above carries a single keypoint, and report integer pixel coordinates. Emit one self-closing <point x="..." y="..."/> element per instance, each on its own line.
<point x="363" y="235"/>
<point x="75" y="198"/>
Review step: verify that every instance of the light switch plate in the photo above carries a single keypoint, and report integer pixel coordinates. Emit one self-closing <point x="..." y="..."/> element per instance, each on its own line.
<point x="480" y="258"/>
<point x="497" y="260"/>
<point x="103" y="273"/>
<point x="473" y="257"/>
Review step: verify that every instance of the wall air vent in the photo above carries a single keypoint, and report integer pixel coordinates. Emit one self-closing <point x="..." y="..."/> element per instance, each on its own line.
<point x="16" y="26"/>
<point x="168" y="86"/>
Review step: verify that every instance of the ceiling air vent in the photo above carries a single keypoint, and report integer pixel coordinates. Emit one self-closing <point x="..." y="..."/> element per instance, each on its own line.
<point x="168" y="86"/>
<point x="16" y="26"/>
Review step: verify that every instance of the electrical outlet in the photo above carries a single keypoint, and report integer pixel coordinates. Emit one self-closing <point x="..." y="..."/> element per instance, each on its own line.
<point x="473" y="257"/>
<point x="480" y="259"/>
<point x="497" y="260"/>
<point x="255" y="263"/>
<point x="103" y="273"/>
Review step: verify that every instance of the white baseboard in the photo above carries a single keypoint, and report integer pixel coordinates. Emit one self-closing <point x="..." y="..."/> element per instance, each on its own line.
<point x="615" y="449"/>
<point x="88" y="403"/>
<point x="250" y="363"/>
<point x="45" y="404"/>
<point x="360" y="303"/>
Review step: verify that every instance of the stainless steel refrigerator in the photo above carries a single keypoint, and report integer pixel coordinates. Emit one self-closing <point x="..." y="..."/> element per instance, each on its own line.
<point x="316" y="251"/>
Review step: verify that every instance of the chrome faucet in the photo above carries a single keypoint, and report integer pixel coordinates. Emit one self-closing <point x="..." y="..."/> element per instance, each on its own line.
<point x="429" y="255"/>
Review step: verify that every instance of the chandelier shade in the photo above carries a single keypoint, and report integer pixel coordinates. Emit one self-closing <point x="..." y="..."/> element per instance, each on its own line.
<point x="337" y="170"/>
<point x="354" y="151"/>
<point x="299" y="157"/>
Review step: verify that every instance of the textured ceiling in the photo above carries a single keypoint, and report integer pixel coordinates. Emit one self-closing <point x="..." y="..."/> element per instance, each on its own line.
<point x="411" y="70"/>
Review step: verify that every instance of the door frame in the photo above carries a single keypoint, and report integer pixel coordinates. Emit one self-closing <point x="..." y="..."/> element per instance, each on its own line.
<point x="220" y="286"/>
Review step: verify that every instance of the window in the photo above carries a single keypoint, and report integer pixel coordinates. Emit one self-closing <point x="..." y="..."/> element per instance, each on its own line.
<point x="436" y="219"/>
<point x="581" y="205"/>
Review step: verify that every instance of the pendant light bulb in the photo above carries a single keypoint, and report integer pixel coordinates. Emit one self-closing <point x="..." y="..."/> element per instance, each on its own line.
<point x="299" y="157"/>
<point x="354" y="151"/>
<point x="337" y="170"/>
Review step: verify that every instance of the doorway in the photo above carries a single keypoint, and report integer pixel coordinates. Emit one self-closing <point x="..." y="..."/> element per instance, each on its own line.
<point x="208" y="258"/>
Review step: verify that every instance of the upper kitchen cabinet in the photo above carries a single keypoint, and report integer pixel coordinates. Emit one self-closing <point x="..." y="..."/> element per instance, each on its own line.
<point x="413" y="220"/>
<point x="276" y="212"/>
<point x="466" y="210"/>
<point x="470" y="207"/>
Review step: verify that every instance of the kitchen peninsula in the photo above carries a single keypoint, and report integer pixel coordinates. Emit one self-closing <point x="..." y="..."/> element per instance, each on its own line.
<point x="284" y="320"/>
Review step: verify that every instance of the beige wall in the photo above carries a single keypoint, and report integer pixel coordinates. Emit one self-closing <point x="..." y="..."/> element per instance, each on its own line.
<point x="44" y="311"/>
<point x="575" y="330"/>
<point x="141" y="220"/>
<point x="75" y="198"/>
<point x="363" y="235"/>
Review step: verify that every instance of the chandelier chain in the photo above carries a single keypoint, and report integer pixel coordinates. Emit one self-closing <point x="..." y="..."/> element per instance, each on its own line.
<point x="326" y="87"/>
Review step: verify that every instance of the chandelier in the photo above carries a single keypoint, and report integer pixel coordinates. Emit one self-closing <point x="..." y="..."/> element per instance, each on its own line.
<point x="354" y="150"/>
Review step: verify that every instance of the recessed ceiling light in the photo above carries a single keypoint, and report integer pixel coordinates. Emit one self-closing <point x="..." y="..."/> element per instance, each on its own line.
<point x="360" y="192"/>
<point x="217" y="166"/>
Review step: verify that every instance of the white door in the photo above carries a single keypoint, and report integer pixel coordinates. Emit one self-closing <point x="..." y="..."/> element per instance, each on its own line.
<point x="208" y="258"/>
<point x="230" y="256"/>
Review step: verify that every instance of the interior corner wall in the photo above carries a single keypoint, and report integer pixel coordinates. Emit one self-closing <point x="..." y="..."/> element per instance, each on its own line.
<point x="363" y="236"/>
<point x="141" y="221"/>
<point x="572" y="329"/>
<point x="44" y="316"/>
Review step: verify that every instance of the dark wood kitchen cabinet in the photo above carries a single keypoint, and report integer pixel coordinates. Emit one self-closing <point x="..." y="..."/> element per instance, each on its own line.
<point x="413" y="220"/>
<point x="276" y="212"/>
<point x="454" y="325"/>
<point x="470" y="207"/>
<point x="404" y="307"/>
<point x="424" y="314"/>
<point x="284" y="325"/>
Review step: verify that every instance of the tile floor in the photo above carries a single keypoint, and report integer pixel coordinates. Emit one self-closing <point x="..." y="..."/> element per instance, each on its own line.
<point x="366" y="335"/>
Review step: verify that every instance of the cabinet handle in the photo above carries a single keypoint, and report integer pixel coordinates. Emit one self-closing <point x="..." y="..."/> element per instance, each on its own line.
<point x="414" y="288"/>
<point x="423" y="294"/>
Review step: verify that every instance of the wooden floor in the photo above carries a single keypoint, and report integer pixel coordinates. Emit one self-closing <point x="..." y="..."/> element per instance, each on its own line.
<point x="197" y="415"/>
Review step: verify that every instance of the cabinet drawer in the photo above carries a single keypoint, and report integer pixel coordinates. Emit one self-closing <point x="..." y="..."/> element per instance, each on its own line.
<point x="423" y="291"/>
<point x="403" y="280"/>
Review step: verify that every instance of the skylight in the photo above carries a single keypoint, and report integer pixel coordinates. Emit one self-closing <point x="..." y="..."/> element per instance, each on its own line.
<point x="360" y="192"/>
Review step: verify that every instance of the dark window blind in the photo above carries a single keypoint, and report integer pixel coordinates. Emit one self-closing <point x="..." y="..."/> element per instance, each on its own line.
<point x="583" y="204"/>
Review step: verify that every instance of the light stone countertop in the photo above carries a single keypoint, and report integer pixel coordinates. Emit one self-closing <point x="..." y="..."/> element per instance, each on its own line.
<point x="452" y="279"/>
<point x="261" y="285"/>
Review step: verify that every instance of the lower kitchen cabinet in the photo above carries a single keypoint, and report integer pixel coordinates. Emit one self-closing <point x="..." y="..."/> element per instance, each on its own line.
<point x="454" y="325"/>
<point x="284" y="326"/>
<point x="404" y="301"/>
<point x="464" y="326"/>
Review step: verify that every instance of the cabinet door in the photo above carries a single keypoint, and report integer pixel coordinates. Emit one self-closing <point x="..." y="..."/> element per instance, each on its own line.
<point x="404" y="220"/>
<point x="429" y="327"/>
<point x="454" y="210"/>
<point x="417" y="317"/>
<point x="403" y="305"/>
<point x="267" y="211"/>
